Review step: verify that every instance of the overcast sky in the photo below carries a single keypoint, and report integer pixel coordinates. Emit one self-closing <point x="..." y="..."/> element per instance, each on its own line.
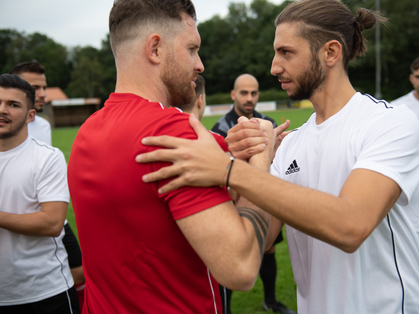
<point x="80" y="22"/>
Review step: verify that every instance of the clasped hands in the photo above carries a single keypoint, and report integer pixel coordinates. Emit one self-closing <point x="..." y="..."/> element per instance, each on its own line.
<point x="202" y="162"/>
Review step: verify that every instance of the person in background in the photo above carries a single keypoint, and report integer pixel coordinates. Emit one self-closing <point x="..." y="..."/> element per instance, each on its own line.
<point x="40" y="129"/>
<point x="245" y="96"/>
<point x="34" y="272"/>
<point x="411" y="99"/>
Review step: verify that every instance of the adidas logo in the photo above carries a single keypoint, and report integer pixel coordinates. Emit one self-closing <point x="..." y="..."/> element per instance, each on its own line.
<point x="292" y="168"/>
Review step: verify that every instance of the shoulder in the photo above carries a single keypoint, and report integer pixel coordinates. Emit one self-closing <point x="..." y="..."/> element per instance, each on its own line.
<point x="401" y="100"/>
<point x="222" y="126"/>
<point x="265" y="117"/>
<point x="42" y="121"/>
<point x="45" y="151"/>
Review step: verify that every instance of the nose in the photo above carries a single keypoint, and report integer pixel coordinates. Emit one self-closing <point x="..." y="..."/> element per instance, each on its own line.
<point x="41" y="93"/>
<point x="199" y="66"/>
<point x="276" y="68"/>
<point x="3" y="107"/>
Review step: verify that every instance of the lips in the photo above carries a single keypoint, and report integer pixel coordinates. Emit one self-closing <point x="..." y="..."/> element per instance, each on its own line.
<point x="5" y="120"/>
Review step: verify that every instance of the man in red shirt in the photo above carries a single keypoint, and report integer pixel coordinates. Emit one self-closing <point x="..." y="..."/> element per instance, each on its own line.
<point x="146" y="252"/>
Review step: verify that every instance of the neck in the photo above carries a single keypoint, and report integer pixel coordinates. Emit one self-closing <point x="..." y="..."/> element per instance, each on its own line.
<point x="332" y="96"/>
<point x="7" y="144"/>
<point x="131" y="79"/>
<point x="416" y="94"/>
<point x="143" y="88"/>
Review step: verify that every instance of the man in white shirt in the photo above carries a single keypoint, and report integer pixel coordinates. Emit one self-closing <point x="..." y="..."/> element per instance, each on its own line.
<point x="344" y="183"/>
<point x="411" y="99"/>
<point x="34" y="272"/>
<point x="40" y="129"/>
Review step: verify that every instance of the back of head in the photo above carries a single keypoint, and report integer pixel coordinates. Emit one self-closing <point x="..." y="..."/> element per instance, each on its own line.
<point x="323" y="20"/>
<point x="130" y="19"/>
<point x="16" y="82"/>
<point x="415" y="65"/>
<point x="199" y="90"/>
<point x="25" y="67"/>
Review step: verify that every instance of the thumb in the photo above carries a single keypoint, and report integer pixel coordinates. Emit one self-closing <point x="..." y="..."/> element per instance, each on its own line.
<point x="242" y="119"/>
<point x="198" y="127"/>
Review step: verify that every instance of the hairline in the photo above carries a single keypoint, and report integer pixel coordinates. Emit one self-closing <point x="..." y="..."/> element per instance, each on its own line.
<point x="166" y="29"/>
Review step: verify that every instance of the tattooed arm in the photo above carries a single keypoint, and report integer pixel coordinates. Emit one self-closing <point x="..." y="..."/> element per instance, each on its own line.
<point x="231" y="241"/>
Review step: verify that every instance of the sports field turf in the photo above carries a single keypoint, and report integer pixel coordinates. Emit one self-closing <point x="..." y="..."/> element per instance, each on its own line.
<point x="242" y="302"/>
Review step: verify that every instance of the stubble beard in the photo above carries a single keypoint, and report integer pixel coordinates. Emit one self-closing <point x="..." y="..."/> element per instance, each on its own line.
<point x="14" y="131"/>
<point x="244" y="111"/>
<point x="178" y="83"/>
<point x="309" y="81"/>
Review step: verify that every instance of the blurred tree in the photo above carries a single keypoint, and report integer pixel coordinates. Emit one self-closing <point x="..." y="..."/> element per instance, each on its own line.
<point x="242" y="42"/>
<point x="399" y="47"/>
<point x="237" y="43"/>
<point x="16" y="47"/>
<point x="94" y="72"/>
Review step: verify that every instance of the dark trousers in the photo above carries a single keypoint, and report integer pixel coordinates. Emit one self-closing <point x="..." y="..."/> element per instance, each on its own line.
<point x="63" y="303"/>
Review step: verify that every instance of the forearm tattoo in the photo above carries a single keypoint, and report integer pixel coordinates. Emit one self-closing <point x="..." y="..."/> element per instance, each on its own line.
<point x="259" y="224"/>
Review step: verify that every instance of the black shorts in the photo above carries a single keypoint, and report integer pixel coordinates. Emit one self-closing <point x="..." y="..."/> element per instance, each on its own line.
<point x="66" y="302"/>
<point x="279" y="238"/>
<point x="72" y="247"/>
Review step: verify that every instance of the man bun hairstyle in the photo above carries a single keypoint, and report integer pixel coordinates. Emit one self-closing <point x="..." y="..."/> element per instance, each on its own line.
<point x="128" y="17"/>
<point x="16" y="82"/>
<point x="31" y="67"/>
<point x="323" y="20"/>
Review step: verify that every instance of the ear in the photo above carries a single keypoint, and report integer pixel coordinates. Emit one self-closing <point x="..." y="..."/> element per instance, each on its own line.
<point x="199" y="101"/>
<point x="153" y="48"/>
<point x="332" y="52"/>
<point x="31" y="116"/>
<point x="233" y="94"/>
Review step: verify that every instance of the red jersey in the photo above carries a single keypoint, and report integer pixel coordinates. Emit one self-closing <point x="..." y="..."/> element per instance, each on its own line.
<point x="135" y="258"/>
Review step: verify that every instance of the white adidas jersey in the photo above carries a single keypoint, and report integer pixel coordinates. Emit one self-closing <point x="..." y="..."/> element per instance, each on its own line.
<point x="382" y="276"/>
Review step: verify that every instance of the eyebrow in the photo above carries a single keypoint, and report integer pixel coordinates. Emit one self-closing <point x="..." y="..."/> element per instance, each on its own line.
<point x="11" y="101"/>
<point x="283" y="48"/>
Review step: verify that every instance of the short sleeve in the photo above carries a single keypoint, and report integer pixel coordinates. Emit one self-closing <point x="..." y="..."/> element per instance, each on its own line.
<point x="391" y="147"/>
<point x="52" y="179"/>
<point x="186" y="201"/>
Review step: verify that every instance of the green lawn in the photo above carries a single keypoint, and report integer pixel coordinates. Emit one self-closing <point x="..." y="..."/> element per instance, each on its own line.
<point x="242" y="302"/>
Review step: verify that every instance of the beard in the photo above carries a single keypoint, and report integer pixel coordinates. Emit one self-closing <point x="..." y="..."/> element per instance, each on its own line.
<point x="39" y="109"/>
<point x="245" y="111"/>
<point x="13" y="131"/>
<point x="310" y="80"/>
<point x="178" y="82"/>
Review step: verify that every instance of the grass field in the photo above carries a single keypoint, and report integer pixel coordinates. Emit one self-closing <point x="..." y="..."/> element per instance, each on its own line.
<point x="242" y="302"/>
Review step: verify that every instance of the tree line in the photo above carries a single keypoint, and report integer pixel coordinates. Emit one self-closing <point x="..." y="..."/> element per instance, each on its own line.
<point x="240" y="42"/>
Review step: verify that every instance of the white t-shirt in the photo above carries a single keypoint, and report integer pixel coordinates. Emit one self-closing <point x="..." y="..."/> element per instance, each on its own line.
<point x="40" y="129"/>
<point x="409" y="100"/>
<point x="384" y="272"/>
<point x="32" y="268"/>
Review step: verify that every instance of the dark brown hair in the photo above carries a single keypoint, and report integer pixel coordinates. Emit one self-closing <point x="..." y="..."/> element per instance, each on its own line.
<point x="199" y="90"/>
<point x="16" y="82"/>
<point x="128" y="16"/>
<point x="31" y="67"/>
<point x="325" y="20"/>
<point x="415" y="65"/>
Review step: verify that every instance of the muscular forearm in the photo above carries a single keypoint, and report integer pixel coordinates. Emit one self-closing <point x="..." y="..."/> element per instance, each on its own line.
<point x="338" y="221"/>
<point x="42" y="223"/>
